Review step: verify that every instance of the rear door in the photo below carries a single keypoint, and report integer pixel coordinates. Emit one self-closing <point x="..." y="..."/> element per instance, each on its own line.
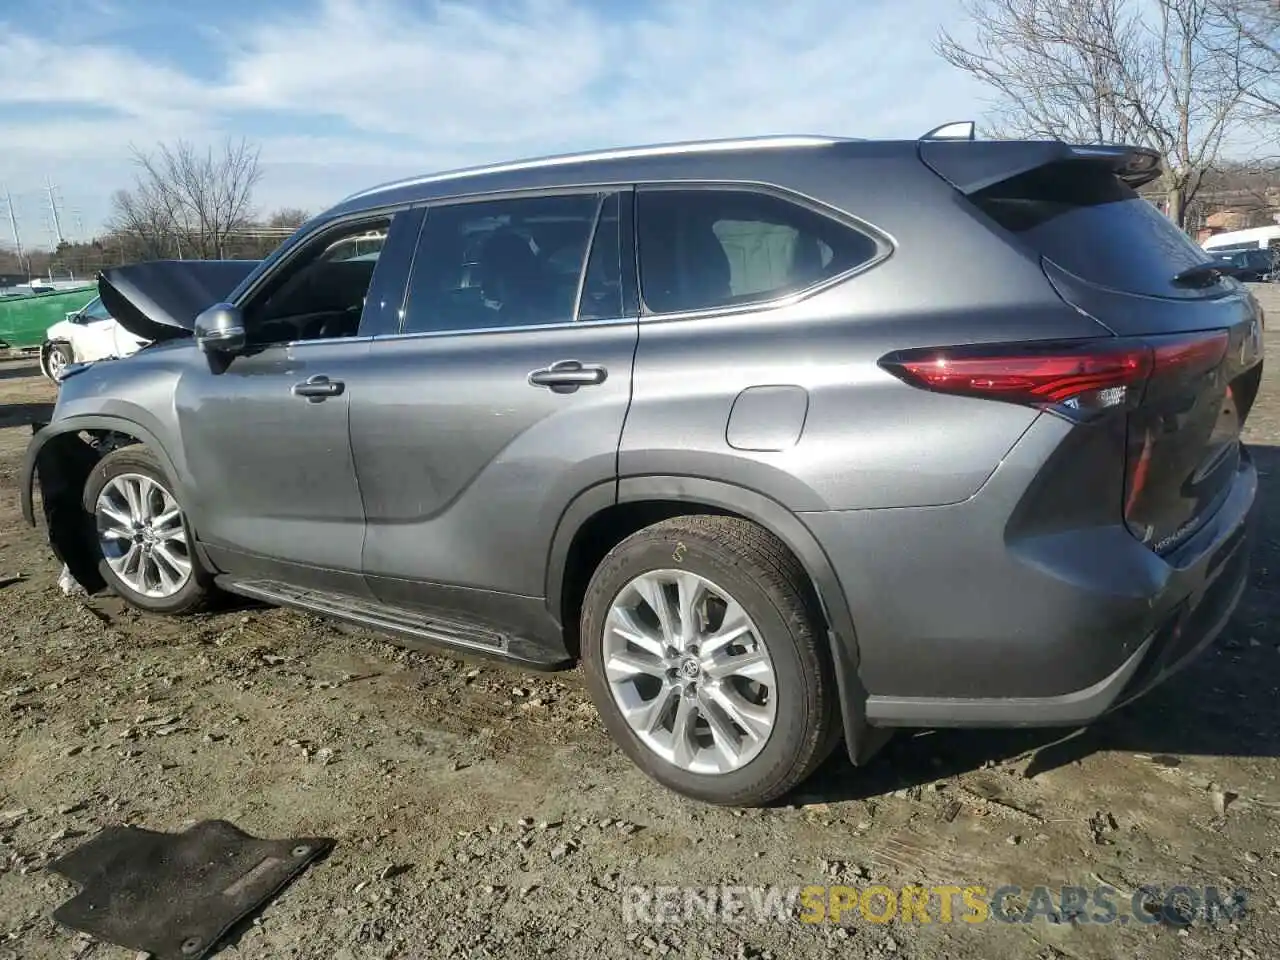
<point x="501" y="399"/>
<point x="1114" y="256"/>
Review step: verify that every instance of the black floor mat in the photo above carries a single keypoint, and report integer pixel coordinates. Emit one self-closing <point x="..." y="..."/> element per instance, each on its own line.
<point x="175" y="894"/>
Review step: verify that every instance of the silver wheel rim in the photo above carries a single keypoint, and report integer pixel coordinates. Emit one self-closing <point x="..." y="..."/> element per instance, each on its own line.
<point x="689" y="672"/>
<point x="142" y="535"/>
<point x="57" y="360"/>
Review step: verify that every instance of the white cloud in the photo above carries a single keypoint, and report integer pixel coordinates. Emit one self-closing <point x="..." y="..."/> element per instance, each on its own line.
<point x="550" y="69"/>
<point x="469" y="83"/>
<point x="39" y="70"/>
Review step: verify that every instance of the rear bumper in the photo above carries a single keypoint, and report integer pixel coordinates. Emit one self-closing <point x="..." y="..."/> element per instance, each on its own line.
<point x="957" y="626"/>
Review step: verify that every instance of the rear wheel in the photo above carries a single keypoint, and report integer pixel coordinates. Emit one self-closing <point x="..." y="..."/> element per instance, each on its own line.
<point x="142" y="533"/>
<point x="704" y="657"/>
<point x="54" y="357"/>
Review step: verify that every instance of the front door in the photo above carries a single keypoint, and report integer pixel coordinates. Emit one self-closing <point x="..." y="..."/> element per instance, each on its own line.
<point x="266" y="435"/>
<point x="503" y="397"/>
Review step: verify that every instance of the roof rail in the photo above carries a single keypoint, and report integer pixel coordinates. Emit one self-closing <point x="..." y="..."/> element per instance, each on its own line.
<point x="956" y="130"/>
<point x="624" y="153"/>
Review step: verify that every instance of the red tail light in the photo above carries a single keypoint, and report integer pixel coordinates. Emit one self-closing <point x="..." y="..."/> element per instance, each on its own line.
<point x="1076" y="377"/>
<point x="1190" y="354"/>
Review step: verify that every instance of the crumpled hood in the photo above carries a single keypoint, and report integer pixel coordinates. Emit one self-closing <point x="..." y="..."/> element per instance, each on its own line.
<point x="160" y="299"/>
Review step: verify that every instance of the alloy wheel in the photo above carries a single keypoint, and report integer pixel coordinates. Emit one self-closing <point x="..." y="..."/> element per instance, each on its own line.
<point x="142" y="535"/>
<point x="689" y="671"/>
<point x="56" y="361"/>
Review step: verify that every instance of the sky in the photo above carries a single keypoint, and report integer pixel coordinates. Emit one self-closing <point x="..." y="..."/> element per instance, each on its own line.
<point x="344" y="94"/>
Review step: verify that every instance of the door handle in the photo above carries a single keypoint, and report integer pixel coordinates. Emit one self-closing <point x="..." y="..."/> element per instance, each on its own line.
<point x="317" y="388"/>
<point x="566" y="376"/>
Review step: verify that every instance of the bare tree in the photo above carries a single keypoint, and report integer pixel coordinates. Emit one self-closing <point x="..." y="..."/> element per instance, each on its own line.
<point x="200" y="197"/>
<point x="144" y="216"/>
<point x="1154" y="73"/>
<point x="1252" y="38"/>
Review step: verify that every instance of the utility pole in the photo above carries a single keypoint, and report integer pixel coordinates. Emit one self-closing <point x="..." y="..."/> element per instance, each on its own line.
<point x="17" y="238"/>
<point x="53" y="207"/>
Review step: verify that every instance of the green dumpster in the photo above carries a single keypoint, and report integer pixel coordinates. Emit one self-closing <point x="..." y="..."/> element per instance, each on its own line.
<point x="24" y="319"/>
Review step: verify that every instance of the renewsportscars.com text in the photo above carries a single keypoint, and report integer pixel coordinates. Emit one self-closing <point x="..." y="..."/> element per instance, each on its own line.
<point x="1177" y="904"/>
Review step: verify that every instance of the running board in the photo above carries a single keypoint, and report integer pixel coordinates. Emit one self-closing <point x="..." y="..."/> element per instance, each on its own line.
<point x="415" y="627"/>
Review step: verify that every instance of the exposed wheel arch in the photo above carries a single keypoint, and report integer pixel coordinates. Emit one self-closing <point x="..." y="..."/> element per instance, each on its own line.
<point x="69" y="431"/>
<point x="604" y="514"/>
<point x="62" y="456"/>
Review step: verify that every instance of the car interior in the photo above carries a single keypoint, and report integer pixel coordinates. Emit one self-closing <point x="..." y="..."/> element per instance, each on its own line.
<point x="515" y="274"/>
<point x="707" y="249"/>
<point x="323" y="297"/>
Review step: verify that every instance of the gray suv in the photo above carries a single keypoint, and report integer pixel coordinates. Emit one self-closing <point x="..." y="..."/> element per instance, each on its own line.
<point x="787" y="440"/>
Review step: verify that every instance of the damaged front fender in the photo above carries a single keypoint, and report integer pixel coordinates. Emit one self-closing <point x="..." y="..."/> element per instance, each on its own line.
<point x="61" y="463"/>
<point x="60" y="458"/>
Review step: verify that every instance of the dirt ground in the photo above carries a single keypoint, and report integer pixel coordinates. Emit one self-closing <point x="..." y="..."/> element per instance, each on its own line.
<point x="481" y="812"/>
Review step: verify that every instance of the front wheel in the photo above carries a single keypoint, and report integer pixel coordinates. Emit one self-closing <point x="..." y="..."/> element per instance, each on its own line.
<point x="54" y="358"/>
<point x="704" y="654"/>
<point x="146" y="545"/>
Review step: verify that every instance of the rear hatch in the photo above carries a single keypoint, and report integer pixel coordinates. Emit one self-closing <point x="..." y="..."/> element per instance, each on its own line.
<point x="1115" y="257"/>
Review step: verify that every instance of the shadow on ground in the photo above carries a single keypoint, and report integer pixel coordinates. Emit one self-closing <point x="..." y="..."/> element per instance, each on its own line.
<point x="19" y="369"/>
<point x="1222" y="704"/>
<point x="25" y="414"/>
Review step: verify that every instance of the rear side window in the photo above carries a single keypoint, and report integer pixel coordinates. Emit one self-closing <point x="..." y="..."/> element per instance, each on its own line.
<point x="708" y="248"/>
<point x="1093" y="225"/>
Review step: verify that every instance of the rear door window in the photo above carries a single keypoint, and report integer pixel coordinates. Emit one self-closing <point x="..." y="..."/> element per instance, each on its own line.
<point x="1085" y="220"/>
<point x="707" y="248"/>
<point x="515" y="262"/>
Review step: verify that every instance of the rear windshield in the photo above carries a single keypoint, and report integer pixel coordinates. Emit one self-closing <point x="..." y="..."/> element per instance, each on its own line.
<point x="1092" y="224"/>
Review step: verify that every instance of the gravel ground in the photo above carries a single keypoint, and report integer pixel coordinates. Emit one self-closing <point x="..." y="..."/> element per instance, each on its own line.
<point x="481" y="812"/>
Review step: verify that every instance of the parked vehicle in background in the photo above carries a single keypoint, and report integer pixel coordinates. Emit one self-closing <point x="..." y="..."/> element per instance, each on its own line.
<point x="1247" y="266"/>
<point x="710" y="418"/>
<point x="1254" y="238"/>
<point x="25" y="319"/>
<point x="86" y="335"/>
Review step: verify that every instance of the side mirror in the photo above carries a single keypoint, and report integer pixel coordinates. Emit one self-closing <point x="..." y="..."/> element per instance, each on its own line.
<point x="220" y="329"/>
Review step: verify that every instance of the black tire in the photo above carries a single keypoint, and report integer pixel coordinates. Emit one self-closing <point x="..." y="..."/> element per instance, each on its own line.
<point x="63" y="350"/>
<point x="198" y="592"/>
<point x="765" y="578"/>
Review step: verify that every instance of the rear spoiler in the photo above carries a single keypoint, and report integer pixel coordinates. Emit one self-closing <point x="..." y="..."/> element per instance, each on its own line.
<point x="970" y="166"/>
<point x="956" y="130"/>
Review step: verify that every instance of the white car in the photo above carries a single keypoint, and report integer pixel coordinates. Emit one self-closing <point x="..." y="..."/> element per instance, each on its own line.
<point x="89" y="334"/>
